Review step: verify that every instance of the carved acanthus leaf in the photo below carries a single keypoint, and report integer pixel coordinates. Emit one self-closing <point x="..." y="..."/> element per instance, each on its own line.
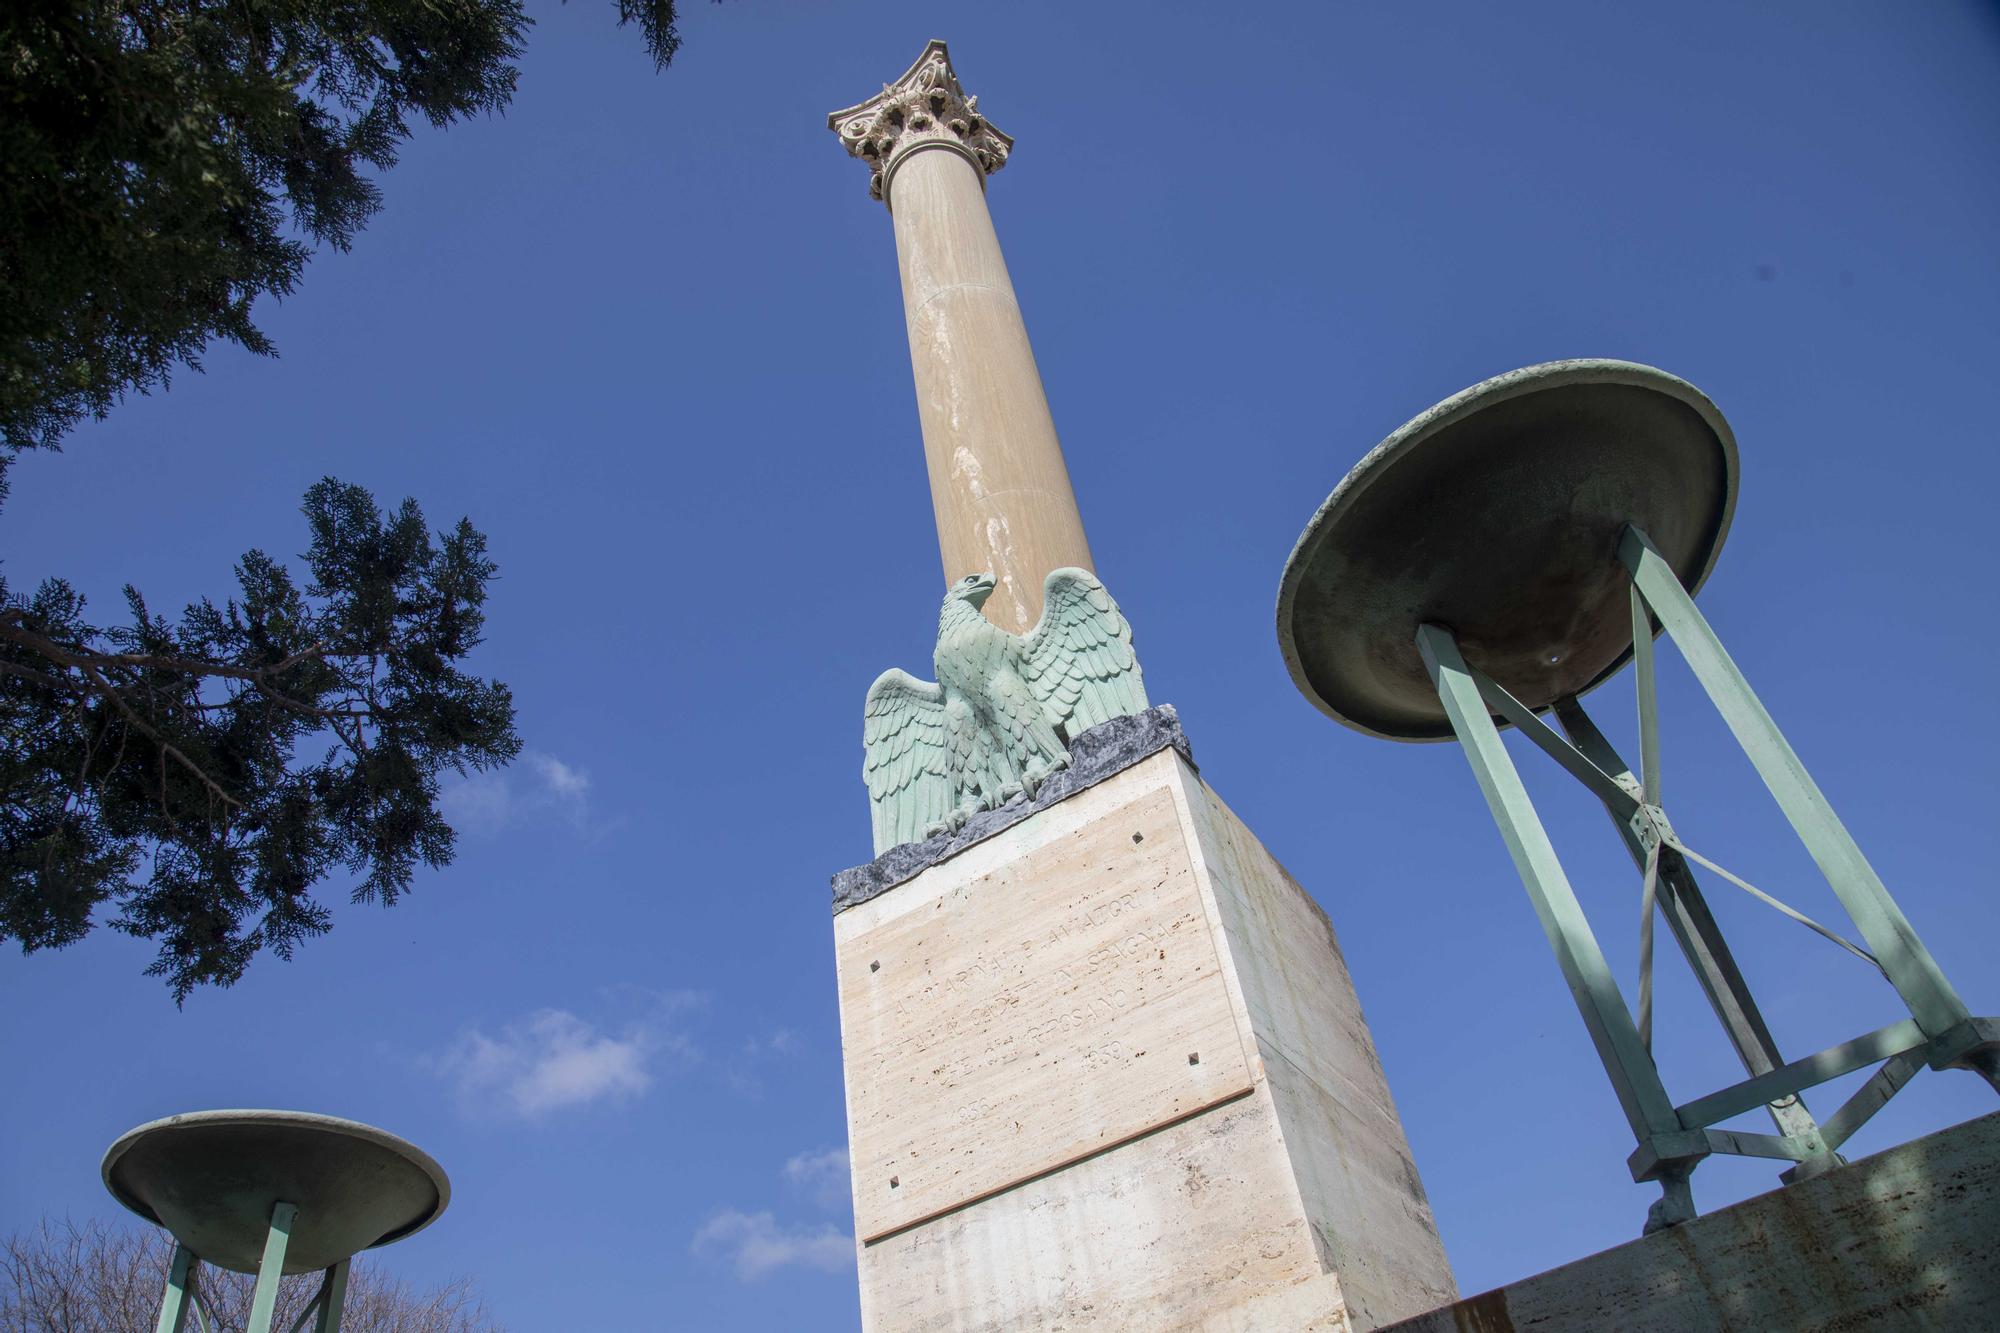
<point x="925" y="107"/>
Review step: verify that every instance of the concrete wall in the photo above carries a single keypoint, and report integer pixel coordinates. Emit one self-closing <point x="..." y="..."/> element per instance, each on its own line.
<point x="1906" y="1239"/>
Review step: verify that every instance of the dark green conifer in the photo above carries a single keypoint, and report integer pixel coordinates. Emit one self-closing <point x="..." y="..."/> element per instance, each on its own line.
<point x="201" y="775"/>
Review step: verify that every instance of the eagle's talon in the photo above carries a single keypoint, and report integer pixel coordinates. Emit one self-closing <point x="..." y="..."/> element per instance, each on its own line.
<point x="1039" y="771"/>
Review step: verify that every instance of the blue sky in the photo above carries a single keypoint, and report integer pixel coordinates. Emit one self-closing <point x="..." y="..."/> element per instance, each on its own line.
<point x="645" y="331"/>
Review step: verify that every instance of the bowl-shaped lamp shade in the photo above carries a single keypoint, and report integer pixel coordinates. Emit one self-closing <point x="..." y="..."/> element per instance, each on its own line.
<point x="213" y="1177"/>
<point x="1497" y="514"/>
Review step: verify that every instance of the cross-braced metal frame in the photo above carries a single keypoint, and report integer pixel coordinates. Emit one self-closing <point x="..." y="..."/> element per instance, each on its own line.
<point x="184" y="1299"/>
<point x="1940" y="1031"/>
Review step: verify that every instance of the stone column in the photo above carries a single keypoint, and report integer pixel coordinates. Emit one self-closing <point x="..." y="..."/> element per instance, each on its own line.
<point x="1105" y="1067"/>
<point x="998" y="482"/>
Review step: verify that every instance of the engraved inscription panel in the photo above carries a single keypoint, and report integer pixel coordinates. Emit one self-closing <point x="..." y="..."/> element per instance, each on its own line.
<point x="1058" y="1006"/>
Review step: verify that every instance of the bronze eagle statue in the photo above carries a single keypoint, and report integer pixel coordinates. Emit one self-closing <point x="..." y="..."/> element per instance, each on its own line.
<point x="1003" y="711"/>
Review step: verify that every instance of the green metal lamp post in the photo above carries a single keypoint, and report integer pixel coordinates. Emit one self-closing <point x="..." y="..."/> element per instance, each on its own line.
<point x="1506" y="552"/>
<point x="271" y="1193"/>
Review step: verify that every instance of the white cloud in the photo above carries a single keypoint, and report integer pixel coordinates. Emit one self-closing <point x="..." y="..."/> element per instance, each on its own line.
<point x="538" y="786"/>
<point x="565" y="783"/>
<point x="552" y="1060"/>
<point x="821" y="1174"/>
<point x="478" y="802"/>
<point x="754" y="1244"/>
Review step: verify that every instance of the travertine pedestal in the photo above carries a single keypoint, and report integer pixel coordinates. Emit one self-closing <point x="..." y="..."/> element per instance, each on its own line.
<point x="1106" y="1069"/>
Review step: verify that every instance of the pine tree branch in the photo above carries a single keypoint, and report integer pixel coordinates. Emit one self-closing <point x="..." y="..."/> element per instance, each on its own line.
<point x="14" y="626"/>
<point x="29" y="673"/>
<point x="167" y="749"/>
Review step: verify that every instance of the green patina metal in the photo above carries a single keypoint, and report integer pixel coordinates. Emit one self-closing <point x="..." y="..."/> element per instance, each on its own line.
<point x="1507" y="536"/>
<point x="175" y="1305"/>
<point x="264" y="1302"/>
<point x="1941" y="1031"/>
<point x="1903" y="957"/>
<point x="331" y="1301"/>
<point x="999" y="718"/>
<point x="184" y="1299"/>
<point x="1634" y="1076"/>
<point x="270" y="1192"/>
<point x="1694" y="929"/>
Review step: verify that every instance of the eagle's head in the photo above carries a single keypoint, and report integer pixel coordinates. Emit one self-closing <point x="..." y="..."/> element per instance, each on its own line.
<point x="973" y="588"/>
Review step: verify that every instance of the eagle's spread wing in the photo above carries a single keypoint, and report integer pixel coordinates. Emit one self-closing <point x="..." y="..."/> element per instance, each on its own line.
<point x="908" y="763"/>
<point x="1080" y="661"/>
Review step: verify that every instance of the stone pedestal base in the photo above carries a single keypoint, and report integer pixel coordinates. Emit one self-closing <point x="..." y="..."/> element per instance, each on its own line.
<point x="1908" y="1238"/>
<point x="1105" y="1069"/>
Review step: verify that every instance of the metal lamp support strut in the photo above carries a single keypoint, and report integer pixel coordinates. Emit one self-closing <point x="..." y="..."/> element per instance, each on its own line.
<point x="183" y="1297"/>
<point x="1940" y="1030"/>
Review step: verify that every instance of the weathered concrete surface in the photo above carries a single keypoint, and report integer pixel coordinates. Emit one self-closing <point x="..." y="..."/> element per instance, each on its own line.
<point x="1105" y="749"/>
<point x="1256" y="1213"/>
<point x="1906" y="1239"/>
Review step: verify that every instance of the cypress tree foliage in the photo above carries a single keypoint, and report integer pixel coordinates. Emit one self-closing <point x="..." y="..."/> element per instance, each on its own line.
<point x="203" y="774"/>
<point x="163" y="163"/>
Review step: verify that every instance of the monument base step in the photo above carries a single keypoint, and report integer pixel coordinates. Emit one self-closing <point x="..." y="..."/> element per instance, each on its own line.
<point x="1908" y="1238"/>
<point x="1106" y="1069"/>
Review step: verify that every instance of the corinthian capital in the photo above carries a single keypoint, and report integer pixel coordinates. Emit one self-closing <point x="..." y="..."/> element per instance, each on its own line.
<point x="926" y="108"/>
